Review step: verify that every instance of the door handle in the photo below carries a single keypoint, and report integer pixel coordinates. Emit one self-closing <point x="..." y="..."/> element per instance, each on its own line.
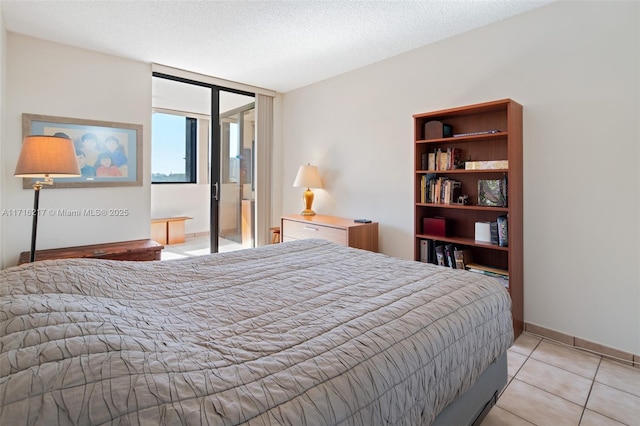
<point x="216" y="191"/>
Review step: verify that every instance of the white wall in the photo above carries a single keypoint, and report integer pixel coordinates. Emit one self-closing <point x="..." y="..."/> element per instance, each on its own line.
<point x="574" y="66"/>
<point x="52" y="79"/>
<point x="3" y="88"/>
<point x="191" y="200"/>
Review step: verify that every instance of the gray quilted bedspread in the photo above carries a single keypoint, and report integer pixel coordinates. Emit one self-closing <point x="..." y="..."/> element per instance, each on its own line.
<point x="299" y="333"/>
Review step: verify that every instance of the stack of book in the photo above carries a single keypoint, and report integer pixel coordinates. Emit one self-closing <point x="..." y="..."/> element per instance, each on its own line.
<point x="442" y="159"/>
<point x="439" y="190"/>
<point x="501" y="274"/>
<point x="443" y="254"/>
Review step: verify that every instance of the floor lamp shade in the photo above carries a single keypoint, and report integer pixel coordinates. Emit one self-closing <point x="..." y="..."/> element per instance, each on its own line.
<point x="308" y="177"/>
<point x="45" y="157"/>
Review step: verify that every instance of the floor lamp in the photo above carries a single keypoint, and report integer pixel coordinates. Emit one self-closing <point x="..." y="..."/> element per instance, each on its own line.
<point x="45" y="157"/>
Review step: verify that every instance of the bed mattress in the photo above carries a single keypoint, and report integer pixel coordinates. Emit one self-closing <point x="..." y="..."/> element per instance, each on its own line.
<point x="303" y="332"/>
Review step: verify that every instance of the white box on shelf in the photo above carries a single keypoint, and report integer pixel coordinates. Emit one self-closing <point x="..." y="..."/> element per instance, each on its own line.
<point x="483" y="232"/>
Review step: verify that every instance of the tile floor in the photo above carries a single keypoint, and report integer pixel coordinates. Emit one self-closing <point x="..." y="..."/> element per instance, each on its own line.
<point x="196" y="246"/>
<point x="549" y="383"/>
<point x="554" y="384"/>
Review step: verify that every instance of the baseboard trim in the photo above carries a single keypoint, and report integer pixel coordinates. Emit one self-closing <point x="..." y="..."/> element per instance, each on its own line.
<point x="196" y="234"/>
<point x="583" y="344"/>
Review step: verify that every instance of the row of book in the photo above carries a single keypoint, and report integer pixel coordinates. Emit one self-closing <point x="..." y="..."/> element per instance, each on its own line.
<point x="439" y="190"/>
<point x="444" y="254"/>
<point x="442" y="159"/>
<point x="451" y="256"/>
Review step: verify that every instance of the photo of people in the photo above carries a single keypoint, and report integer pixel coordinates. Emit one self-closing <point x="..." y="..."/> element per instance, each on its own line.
<point x="105" y="166"/>
<point x="100" y="154"/>
<point x="85" y="169"/>
<point x="108" y="153"/>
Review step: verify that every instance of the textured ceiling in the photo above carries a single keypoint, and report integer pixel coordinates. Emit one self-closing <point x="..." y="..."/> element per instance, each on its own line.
<point x="277" y="45"/>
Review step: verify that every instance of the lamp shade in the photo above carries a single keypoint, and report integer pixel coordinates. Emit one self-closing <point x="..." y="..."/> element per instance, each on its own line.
<point x="47" y="156"/>
<point x="308" y="177"/>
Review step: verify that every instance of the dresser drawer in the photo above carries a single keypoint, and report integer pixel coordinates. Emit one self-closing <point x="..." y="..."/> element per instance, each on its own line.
<point x="338" y="230"/>
<point x="302" y="231"/>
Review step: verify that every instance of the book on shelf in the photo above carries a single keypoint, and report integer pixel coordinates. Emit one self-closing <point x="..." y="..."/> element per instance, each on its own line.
<point x="462" y="257"/>
<point x="493" y="228"/>
<point x="454" y="156"/>
<point x="440" y="255"/>
<point x="487" y="270"/>
<point x="428" y="251"/>
<point x="449" y="258"/>
<point x="501" y="275"/>
<point x="442" y="160"/>
<point x="446" y="159"/>
<point x="431" y="161"/>
<point x="452" y="190"/>
<point x="503" y="234"/>
<point x="445" y="254"/>
<point x="439" y="190"/>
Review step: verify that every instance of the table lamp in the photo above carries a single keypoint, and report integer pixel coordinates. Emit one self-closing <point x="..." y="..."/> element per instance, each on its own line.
<point x="308" y="177"/>
<point x="45" y="157"/>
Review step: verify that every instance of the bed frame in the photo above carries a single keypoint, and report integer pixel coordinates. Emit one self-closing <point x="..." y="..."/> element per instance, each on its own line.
<point x="472" y="406"/>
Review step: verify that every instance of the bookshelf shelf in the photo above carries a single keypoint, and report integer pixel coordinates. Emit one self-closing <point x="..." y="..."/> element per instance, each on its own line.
<point x="463" y="241"/>
<point x="463" y="139"/>
<point x="462" y="171"/>
<point x="505" y="116"/>
<point x="464" y="207"/>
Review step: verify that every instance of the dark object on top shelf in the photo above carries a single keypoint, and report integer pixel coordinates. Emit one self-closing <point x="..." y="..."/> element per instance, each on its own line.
<point x="484" y="132"/>
<point x="436" y="130"/>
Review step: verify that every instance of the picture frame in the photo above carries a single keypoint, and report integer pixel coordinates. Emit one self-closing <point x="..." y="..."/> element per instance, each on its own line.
<point x="109" y="153"/>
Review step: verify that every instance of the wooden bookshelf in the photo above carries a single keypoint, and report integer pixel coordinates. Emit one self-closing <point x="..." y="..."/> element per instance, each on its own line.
<point x="506" y="117"/>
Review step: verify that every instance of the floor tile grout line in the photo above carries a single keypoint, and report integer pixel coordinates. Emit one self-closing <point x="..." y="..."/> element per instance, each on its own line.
<point x="593" y="381"/>
<point x="514" y="378"/>
<point x="590" y="390"/>
<point x="530" y="356"/>
<point x="520" y="417"/>
<point x="569" y="371"/>
<point x="550" y="393"/>
<point x="586" y="350"/>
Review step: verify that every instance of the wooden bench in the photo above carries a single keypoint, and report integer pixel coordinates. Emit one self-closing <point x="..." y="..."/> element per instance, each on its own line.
<point x="168" y="230"/>
<point x="140" y="250"/>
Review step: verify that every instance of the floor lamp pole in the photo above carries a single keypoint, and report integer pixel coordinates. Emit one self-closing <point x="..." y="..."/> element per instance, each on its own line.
<point x="34" y="227"/>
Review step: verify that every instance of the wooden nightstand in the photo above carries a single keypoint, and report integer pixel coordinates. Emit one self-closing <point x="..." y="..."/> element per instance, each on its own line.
<point x="124" y="250"/>
<point x="336" y="229"/>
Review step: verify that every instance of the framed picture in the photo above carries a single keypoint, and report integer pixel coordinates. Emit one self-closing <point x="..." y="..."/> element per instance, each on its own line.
<point x="109" y="154"/>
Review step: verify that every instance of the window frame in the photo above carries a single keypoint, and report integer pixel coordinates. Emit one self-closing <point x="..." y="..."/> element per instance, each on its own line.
<point x="191" y="147"/>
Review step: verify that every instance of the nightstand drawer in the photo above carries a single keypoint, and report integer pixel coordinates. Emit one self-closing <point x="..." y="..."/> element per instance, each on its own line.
<point x="338" y="230"/>
<point x="302" y="231"/>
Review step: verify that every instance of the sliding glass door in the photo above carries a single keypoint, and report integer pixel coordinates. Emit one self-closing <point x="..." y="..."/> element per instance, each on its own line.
<point x="231" y="162"/>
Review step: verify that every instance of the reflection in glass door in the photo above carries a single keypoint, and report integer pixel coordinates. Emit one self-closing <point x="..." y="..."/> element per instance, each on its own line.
<point x="237" y="187"/>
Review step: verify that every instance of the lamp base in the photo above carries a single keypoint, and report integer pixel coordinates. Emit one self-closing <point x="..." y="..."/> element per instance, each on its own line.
<point x="308" y="202"/>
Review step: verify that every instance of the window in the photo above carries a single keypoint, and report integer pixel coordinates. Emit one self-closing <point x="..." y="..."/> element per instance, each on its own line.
<point x="173" y="148"/>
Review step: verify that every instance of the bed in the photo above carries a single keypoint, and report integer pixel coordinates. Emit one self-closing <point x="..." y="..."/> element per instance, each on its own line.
<point x="300" y="333"/>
